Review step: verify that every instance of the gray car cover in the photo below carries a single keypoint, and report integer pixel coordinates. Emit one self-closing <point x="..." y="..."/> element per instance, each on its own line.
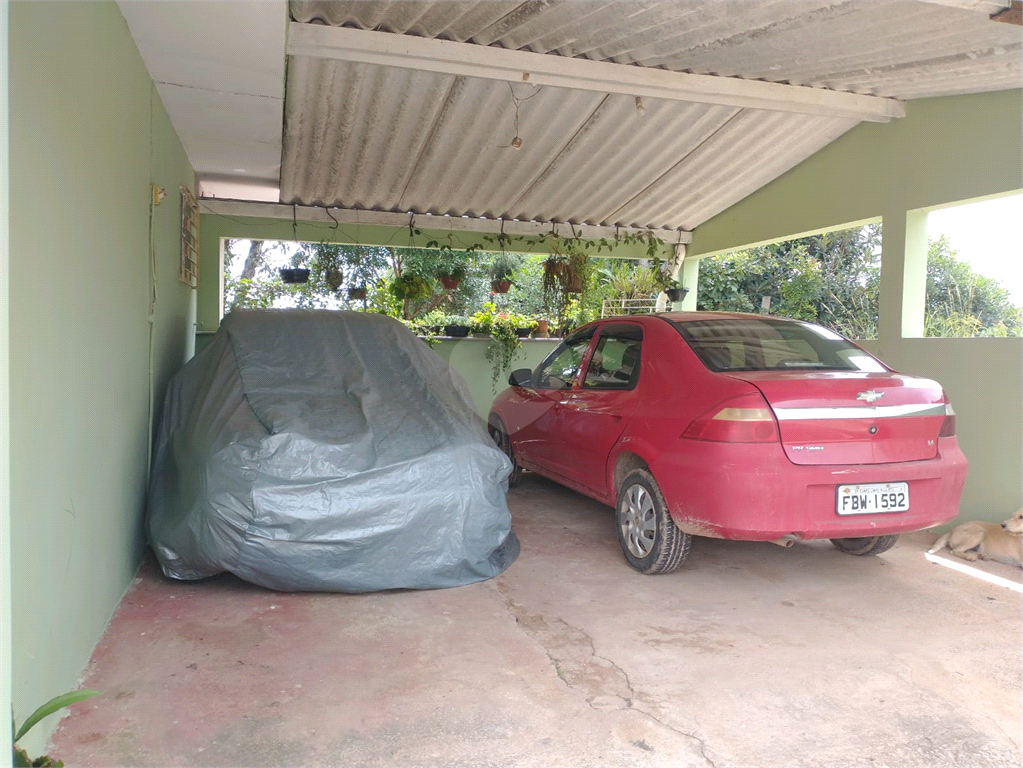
<point x="324" y="450"/>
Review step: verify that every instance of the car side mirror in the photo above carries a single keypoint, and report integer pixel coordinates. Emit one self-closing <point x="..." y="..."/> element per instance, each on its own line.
<point x="520" y="377"/>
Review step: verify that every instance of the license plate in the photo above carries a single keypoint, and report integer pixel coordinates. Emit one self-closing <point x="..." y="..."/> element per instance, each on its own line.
<point x="872" y="498"/>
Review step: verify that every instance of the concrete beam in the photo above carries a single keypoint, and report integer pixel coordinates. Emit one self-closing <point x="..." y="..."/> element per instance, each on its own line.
<point x="244" y="208"/>
<point x="468" y="60"/>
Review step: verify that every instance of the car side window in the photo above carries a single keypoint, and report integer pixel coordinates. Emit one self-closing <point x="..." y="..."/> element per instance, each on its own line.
<point x="560" y="368"/>
<point x="614" y="363"/>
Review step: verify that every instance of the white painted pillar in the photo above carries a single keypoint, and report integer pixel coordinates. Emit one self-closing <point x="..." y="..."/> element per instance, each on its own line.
<point x="690" y="280"/>
<point x="903" y="276"/>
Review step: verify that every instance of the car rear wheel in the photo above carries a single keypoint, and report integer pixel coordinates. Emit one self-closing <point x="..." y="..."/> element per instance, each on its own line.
<point x="868" y="545"/>
<point x="497" y="431"/>
<point x="650" y="540"/>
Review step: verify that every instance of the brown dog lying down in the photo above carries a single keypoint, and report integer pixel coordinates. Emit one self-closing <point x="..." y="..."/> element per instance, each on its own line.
<point x="987" y="541"/>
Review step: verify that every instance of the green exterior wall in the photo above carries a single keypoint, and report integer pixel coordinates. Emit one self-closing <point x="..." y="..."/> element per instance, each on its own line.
<point x="5" y="369"/>
<point x="944" y="151"/>
<point x="469" y="358"/>
<point x="88" y="135"/>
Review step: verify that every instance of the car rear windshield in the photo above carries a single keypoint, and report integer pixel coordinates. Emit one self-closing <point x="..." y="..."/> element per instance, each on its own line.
<point x="764" y="344"/>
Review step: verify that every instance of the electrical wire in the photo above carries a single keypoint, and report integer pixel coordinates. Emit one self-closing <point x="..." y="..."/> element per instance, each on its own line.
<point x="517" y="102"/>
<point x="153" y="296"/>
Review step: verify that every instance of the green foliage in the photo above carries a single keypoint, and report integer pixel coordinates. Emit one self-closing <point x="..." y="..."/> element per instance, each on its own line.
<point x="830" y="278"/>
<point x="505" y="265"/>
<point x="404" y="282"/>
<point x="504" y="342"/>
<point x="411" y="288"/>
<point x="621" y="279"/>
<point x="21" y="759"/>
<point x="962" y="303"/>
<point x="834" y="279"/>
<point x="334" y="268"/>
<point x="452" y="263"/>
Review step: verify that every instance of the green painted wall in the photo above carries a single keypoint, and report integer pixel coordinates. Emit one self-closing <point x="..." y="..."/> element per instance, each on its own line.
<point x="468" y="357"/>
<point x="984" y="380"/>
<point x="88" y="135"/>
<point x="5" y="444"/>
<point x="944" y="151"/>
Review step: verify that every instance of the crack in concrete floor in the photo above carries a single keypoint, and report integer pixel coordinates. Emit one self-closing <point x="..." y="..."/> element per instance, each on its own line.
<point x="573" y="654"/>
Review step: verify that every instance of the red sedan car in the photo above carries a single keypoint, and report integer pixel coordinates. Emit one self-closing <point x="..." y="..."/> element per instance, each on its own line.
<point x="734" y="426"/>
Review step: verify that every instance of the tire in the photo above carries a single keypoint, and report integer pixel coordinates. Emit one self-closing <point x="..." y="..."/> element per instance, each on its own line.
<point x="650" y="540"/>
<point x="868" y="545"/>
<point x="497" y="431"/>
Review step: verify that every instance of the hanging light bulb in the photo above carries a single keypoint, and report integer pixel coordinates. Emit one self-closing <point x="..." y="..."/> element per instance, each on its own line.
<point x="640" y="109"/>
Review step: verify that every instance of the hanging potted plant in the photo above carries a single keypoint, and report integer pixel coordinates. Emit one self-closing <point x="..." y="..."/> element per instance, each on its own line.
<point x="502" y="270"/>
<point x="676" y="293"/>
<point x="662" y="277"/>
<point x="294" y="275"/>
<point x="565" y="272"/>
<point x="364" y="268"/>
<point x="452" y="266"/>
<point x="576" y="271"/>
<point x="451" y="276"/>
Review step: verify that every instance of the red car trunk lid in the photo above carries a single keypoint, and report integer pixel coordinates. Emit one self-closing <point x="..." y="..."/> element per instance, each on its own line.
<point x="843" y="417"/>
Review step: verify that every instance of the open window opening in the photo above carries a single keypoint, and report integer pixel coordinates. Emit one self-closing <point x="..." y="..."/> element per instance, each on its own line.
<point x="832" y="278"/>
<point x="440" y="287"/>
<point x="974" y="273"/>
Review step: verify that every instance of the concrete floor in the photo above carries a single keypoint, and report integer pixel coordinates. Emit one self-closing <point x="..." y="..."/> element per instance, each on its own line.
<point x="751" y="655"/>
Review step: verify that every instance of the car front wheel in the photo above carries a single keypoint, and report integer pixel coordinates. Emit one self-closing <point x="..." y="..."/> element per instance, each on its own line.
<point x="497" y="431"/>
<point x="650" y="540"/>
<point x="868" y="545"/>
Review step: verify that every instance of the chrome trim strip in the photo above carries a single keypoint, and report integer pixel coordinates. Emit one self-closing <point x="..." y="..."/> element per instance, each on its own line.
<point x="865" y="412"/>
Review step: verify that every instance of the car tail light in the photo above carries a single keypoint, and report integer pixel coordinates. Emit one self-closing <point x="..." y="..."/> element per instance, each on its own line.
<point x="743" y="419"/>
<point x="948" y="426"/>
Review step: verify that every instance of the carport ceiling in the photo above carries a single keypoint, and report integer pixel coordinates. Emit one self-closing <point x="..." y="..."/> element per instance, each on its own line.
<point x="641" y="114"/>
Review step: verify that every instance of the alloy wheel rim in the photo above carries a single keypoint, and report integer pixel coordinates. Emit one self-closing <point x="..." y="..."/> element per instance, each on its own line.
<point x="638" y="521"/>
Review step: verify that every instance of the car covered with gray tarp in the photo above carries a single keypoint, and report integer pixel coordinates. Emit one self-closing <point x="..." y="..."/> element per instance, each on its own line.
<point x="324" y="450"/>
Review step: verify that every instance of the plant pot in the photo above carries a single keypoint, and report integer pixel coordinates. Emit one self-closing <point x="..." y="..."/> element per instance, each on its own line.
<point x="456" y="331"/>
<point x="356" y="294"/>
<point x="543" y="330"/>
<point x="676" y="295"/>
<point x="500" y="286"/>
<point x="574" y="283"/>
<point x="293" y="276"/>
<point x="450" y="283"/>
<point x="522" y="333"/>
<point x="335" y="278"/>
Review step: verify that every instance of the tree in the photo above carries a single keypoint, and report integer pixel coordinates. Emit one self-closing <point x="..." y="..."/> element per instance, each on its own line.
<point x="257" y="285"/>
<point x="962" y="303"/>
<point x="830" y="278"/>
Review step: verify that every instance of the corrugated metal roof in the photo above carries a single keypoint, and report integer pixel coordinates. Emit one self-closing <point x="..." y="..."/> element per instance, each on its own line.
<point x="903" y="50"/>
<point x="384" y="138"/>
<point x="388" y="139"/>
